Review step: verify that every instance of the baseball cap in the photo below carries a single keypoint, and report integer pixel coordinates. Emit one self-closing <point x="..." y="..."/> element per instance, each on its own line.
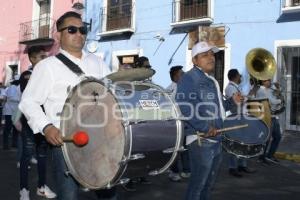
<point x="202" y="47"/>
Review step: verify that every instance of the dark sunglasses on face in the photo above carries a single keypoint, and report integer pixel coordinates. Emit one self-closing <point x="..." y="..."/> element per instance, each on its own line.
<point x="73" y="29"/>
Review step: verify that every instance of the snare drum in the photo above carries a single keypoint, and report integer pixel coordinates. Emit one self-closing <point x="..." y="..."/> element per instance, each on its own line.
<point x="245" y="142"/>
<point x="133" y="131"/>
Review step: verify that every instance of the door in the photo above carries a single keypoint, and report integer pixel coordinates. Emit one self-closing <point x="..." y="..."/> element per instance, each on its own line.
<point x="289" y="77"/>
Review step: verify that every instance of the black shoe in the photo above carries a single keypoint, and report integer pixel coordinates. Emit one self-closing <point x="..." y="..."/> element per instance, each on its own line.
<point x="246" y="170"/>
<point x="129" y="187"/>
<point x="144" y="181"/>
<point x="273" y="160"/>
<point x="235" y="173"/>
<point x="263" y="161"/>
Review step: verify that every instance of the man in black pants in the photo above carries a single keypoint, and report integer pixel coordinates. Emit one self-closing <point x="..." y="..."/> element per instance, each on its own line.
<point x="31" y="141"/>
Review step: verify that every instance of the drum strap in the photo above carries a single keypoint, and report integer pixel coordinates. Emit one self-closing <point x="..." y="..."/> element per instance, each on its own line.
<point x="70" y="64"/>
<point x="237" y="88"/>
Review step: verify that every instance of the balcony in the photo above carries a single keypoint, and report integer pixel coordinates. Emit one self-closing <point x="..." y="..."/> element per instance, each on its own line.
<point x="191" y="13"/>
<point x="117" y="20"/>
<point x="38" y="32"/>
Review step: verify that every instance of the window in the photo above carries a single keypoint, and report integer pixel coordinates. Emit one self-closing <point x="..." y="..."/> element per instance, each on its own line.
<point x="291" y="6"/>
<point x="117" y="15"/>
<point x="191" y="12"/>
<point x="190" y="9"/>
<point x="44" y="19"/>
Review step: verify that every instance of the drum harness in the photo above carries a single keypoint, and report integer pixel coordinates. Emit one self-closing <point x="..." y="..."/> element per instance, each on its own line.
<point x="70" y="64"/>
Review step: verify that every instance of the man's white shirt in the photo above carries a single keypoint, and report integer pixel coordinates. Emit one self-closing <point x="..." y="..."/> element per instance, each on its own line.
<point x="12" y="95"/>
<point x="264" y="92"/>
<point x="231" y="89"/>
<point x="49" y="85"/>
<point x="172" y="89"/>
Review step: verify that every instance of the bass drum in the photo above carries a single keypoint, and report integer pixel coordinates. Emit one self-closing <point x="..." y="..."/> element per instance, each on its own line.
<point x="133" y="130"/>
<point x="245" y="142"/>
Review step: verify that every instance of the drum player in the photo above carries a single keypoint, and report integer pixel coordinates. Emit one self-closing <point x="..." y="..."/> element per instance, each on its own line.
<point x="200" y="101"/>
<point x="236" y="165"/>
<point x="48" y="86"/>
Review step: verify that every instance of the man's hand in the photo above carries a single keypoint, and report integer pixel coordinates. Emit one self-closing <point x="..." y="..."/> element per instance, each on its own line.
<point x="53" y="135"/>
<point x="18" y="125"/>
<point x="212" y="132"/>
<point x="277" y="85"/>
<point x="237" y="98"/>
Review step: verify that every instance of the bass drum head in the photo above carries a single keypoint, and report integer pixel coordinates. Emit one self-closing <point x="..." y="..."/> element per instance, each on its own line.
<point x="256" y="132"/>
<point x="90" y="107"/>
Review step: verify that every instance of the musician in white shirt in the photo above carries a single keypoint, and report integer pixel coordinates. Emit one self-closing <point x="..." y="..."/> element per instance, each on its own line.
<point x="266" y="91"/>
<point x="236" y="165"/>
<point x="175" y="73"/>
<point x="12" y="96"/>
<point x="49" y="85"/>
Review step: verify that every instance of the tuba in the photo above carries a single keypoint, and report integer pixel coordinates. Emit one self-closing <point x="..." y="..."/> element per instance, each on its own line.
<point x="261" y="65"/>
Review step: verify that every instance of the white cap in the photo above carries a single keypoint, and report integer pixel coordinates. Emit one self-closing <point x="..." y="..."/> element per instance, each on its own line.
<point x="202" y="47"/>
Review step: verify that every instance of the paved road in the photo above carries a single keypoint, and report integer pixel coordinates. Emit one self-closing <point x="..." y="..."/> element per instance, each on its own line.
<point x="275" y="182"/>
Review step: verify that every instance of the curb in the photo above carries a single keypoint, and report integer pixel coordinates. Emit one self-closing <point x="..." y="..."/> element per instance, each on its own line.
<point x="288" y="156"/>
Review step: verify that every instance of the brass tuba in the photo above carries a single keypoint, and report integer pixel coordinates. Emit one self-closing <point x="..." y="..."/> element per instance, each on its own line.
<point x="260" y="64"/>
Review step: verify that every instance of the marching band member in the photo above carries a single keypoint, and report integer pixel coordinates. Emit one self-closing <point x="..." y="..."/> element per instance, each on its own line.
<point x="48" y="86"/>
<point x="236" y="165"/>
<point x="265" y="91"/>
<point x="182" y="159"/>
<point x="200" y="101"/>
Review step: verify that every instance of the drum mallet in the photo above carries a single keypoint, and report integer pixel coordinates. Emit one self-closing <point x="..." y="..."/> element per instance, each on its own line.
<point x="202" y="135"/>
<point x="80" y="138"/>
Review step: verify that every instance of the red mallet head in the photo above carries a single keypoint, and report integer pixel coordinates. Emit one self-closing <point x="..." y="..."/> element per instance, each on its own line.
<point x="80" y="138"/>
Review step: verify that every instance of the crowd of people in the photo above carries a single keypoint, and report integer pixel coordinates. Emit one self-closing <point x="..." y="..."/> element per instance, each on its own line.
<point x="41" y="91"/>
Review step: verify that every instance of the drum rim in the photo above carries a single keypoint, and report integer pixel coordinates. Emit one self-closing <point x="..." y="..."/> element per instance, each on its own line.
<point x="244" y="156"/>
<point x="257" y="99"/>
<point x="65" y="150"/>
<point x="232" y="140"/>
<point x="179" y="127"/>
<point x="127" y="131"/>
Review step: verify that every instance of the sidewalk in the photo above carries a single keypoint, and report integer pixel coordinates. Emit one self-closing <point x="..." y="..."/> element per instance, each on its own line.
<point x="289" y="148"/>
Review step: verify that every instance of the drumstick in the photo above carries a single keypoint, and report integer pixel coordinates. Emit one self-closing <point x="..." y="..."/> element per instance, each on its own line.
<point x="80" y="138"/>
<point x="224" y="129"/>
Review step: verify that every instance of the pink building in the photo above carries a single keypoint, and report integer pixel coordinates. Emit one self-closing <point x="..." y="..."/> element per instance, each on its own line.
<point x="27" y="23"/>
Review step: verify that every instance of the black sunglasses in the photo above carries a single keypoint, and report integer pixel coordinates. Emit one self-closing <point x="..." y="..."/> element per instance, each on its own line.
<point x="73" y="29"/>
